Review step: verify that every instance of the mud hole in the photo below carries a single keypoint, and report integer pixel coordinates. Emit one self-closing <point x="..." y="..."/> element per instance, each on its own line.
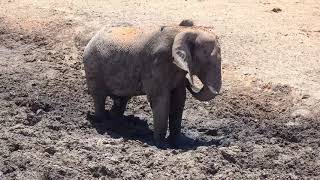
<point x="47" y="131"/>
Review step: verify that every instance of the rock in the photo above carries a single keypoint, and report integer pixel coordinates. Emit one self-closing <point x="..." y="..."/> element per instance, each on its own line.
<point x="291" y="123"/>
<point x="202" y="110"/>
<point x="212" y="169"/>
<point x="276" y="10"/>
<point x="31" y="120"/>
<point x="31" y="59"/>
<point x="305" y="96"/>
<point x="39" y="112"/>
<point x="230" y="153"/>
<point x="50" y="150"/>
<point x="186" y="22"/>
<point x="27" y="132"/>
<point x="99" y="171"/>
<point x="303" y="113"/>
<point x="18" y="126"/>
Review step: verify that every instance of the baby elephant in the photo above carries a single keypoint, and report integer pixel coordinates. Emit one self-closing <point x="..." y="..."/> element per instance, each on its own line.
<point x="160" y="62"/>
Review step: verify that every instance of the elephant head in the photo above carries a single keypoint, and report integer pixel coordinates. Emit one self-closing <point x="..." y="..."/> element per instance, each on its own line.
<point x="198" y="53"/>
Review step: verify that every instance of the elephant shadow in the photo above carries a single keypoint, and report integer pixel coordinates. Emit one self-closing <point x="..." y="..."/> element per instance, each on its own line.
<point x="131" y="127"/>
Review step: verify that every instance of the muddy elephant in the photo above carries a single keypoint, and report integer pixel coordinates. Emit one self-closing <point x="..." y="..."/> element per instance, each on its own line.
<point x="160" y="62"/>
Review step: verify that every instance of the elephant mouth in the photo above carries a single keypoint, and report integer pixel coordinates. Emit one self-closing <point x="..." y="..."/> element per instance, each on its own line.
<point x="200" y="90"/>
<point x="194" y="83"/>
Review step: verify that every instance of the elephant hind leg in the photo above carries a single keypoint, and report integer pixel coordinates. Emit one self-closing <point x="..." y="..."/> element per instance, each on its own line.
<point x="119" y="105"/>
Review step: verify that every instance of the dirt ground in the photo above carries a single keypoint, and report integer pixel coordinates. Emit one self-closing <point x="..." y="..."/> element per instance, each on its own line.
<point x="265" y="125"/>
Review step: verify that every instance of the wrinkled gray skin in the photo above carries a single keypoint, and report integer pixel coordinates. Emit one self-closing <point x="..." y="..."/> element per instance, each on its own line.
<point x="122" y="62"/>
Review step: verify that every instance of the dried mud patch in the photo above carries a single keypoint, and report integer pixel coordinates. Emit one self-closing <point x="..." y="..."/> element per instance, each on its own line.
<point x="46" y="131"/>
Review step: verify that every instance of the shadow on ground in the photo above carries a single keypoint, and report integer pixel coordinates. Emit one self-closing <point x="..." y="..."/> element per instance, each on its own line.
<point x="133" y="128"/>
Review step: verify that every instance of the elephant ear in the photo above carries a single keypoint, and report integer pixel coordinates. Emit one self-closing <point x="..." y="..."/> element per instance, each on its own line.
<point x="180" y="59"/>
<point x="181" y="52"/>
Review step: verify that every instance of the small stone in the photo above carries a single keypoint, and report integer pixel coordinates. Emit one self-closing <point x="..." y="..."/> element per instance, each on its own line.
<point x="18" y="126"/>
<point x="31" y="59"/>
<point x="305" y="96"/>
<point x="39" y="111"/>
<point x="291" y="123"/>
<point x="276" y="10"/>
<point x="50" y="150"/>
<point x="186" y="22"/>
<point x="202" y="148"/>
<point x="230" y="153"/>
<point x="150" y="164"/>
<point x="304" y="113"/>
<point x="174" y="152"/>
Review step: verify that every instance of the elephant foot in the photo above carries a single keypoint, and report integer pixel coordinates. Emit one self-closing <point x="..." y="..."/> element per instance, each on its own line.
<point x="174" y="140"/>
<point x="160" y="145"/>
<point x="160" y="142"/>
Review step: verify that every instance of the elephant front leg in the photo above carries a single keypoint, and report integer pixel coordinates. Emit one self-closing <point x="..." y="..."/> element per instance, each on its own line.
<point x="99" y="106"/>
<point x="177" y="102"/>
<point x="160" y="110"/>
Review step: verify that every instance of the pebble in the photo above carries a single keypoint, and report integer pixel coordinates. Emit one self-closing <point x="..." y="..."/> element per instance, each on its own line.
<point x="230" y="153"/>
<point x="305" y="96"/>
<point x="304" y="113"/>
<point x="276" y="10"/>
<point x="39" y="112"/>
<point x="291" y="123"/>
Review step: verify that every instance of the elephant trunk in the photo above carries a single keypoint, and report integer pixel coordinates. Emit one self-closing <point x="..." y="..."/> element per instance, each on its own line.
<point x="210" y="89"/>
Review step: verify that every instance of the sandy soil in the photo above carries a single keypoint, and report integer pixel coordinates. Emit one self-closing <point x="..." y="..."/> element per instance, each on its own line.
<point x="264" y="126"/>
